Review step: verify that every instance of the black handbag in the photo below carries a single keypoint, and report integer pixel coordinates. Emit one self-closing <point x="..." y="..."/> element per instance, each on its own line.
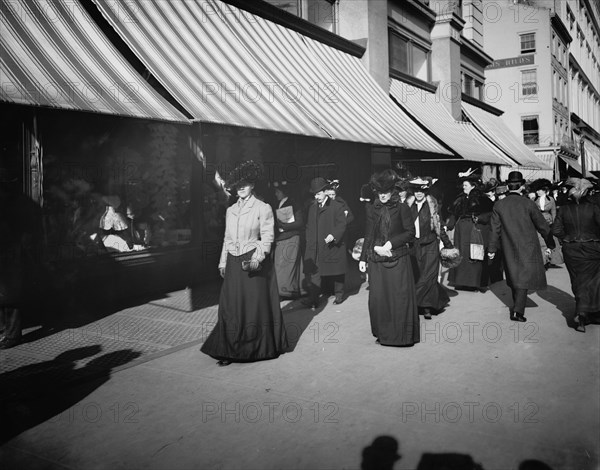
<point x="247" y="266"/>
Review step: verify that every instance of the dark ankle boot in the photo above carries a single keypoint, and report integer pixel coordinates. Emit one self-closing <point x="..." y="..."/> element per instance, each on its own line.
<point x="581" y="321"/>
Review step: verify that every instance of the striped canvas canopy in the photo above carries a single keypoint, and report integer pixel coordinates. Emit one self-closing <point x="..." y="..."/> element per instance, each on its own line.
<point x="228" y="66"/>
<point x="53" y="54"/>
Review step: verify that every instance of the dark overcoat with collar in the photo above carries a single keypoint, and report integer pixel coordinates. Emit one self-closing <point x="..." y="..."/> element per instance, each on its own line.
<point x="516" y="221"/>
<point x="329" y="259"/>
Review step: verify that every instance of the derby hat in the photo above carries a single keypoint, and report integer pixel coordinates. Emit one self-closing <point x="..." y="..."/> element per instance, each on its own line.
<point x="515" y="177"/>
<point x="384" y="182"/>
<point x="318" y="184"/>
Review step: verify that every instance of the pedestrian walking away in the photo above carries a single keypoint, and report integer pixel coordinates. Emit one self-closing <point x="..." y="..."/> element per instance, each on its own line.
<point x="515" y="222"/>
<point x="577" y="225"/>
<point x="249" y="323"/>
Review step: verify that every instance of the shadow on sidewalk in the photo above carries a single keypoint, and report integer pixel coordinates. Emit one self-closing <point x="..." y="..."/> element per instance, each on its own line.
<point x="564" y="302"/>
<point x="383" y="454"/>
<point x="503" y="292"/>
<point x="36" y="393"/>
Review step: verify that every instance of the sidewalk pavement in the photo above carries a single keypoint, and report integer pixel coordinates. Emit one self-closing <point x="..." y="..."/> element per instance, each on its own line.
<point x="478" y="388"/>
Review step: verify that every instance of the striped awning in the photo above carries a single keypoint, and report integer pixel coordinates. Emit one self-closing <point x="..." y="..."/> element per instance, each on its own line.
<point x="53" y="54"/>
<point x="496" y="131"/>
<point x="428" y="109"/>
<point x="229" y="66"/>
<point x="592" y="157"/>
<point x="572" y="163"/>
<point x="487" y="145"/>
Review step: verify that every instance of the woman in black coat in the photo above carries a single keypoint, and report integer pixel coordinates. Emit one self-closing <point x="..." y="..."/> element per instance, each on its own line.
<point x="392" y="296"/>
<point x="577" y="225"/>
<point x="472" y="209"/>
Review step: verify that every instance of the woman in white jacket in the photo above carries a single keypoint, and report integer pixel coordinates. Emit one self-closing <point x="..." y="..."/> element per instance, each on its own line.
<point x="250" y="324"/>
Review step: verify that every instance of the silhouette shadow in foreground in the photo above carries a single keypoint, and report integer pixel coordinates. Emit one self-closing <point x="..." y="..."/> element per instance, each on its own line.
<point x="36" y="393"/>
<point x="382" y="454"/>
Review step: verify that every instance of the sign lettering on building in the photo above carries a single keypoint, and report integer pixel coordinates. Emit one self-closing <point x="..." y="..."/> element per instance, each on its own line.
<point x="511" y="62"/>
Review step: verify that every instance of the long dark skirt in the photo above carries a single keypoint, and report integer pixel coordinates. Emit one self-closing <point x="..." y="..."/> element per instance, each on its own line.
<point x="583" y="264"/>
<point x="469" y="273"/>
<point x="249" y="324"/>
<point x="430" y="292"/>
<point x="393" y="303"/>
<point x="288" y="266"/>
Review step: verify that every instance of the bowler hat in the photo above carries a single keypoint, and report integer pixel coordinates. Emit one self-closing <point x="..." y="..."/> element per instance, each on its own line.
<point x="515" y="177"/>
<point x="318" y="184"/>
<point x="384" y="181"/>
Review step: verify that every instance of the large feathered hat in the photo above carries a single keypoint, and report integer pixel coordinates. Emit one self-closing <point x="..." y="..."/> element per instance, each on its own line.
<point x="248" y="172"/>
<point x="422" y="183"/>
<point x="470" y="175"/>
<point x="384" y="181"/>
<point x="541" y="183"/>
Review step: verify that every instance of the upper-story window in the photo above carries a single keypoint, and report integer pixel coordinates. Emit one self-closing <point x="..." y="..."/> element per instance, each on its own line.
<point x="319" y="12"/>
<point x="529" y="82"/>
<point x="408" y="57"/>
<point x="531" y="130"/>
<point x="527" y="43"/>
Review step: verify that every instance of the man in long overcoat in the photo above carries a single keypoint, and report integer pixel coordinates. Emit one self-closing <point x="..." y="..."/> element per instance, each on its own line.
<point x="515" y="223"/>
<point x="325" y="254"/>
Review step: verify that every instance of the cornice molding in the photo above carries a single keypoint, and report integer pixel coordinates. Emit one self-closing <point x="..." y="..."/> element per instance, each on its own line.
<point x="413" y="81"/>
<point x="560" y="28"/>
<point x="480" y="104"/>
<point x="475" y="52"/>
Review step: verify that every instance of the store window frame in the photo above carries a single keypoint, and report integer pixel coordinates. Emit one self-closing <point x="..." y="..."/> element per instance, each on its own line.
<point x="303" y="8"/>
<point x="411" y="44"/>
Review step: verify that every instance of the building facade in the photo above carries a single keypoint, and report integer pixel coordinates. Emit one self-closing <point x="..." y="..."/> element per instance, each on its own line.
<point x="337" y="89"/>
<point x="546" y="72"/>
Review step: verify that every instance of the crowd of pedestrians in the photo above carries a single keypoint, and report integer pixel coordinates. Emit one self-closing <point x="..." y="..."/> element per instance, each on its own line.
<point x="513" y="230"/>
